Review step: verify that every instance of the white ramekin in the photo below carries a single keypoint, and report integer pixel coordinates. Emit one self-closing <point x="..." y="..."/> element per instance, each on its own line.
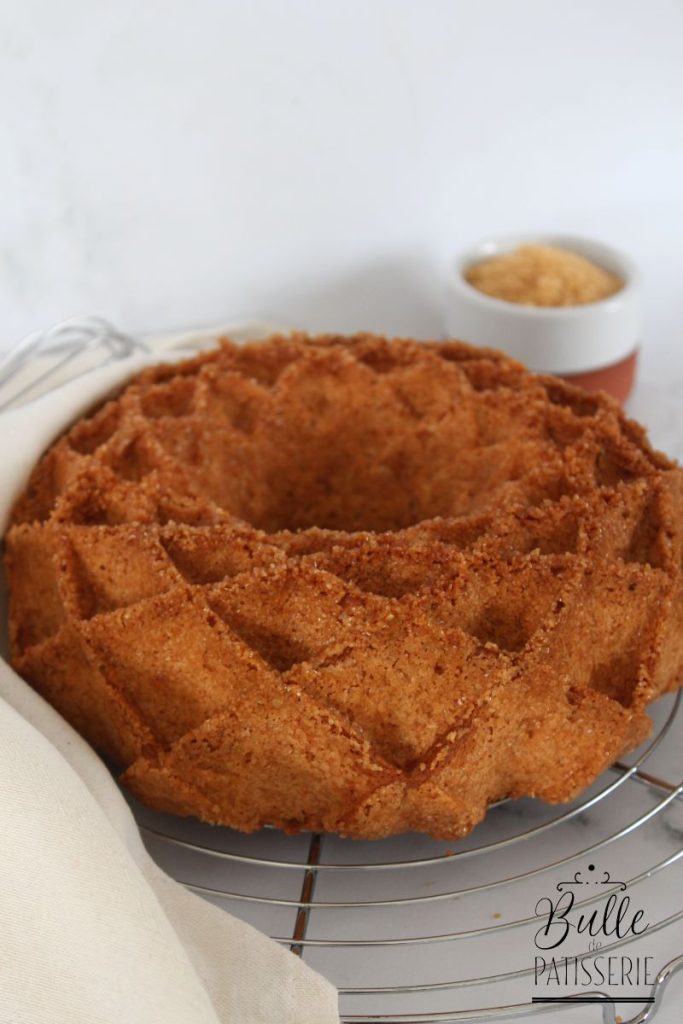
<point x="593" y="344"/>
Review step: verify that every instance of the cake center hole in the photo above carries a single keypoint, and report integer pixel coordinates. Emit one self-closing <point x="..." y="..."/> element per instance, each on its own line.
<point x="354" y="480"/>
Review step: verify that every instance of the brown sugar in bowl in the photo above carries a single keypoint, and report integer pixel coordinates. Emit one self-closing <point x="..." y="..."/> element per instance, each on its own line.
<point x="589" y="336"/>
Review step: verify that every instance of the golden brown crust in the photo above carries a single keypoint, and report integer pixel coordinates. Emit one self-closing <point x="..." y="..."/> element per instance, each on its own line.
<point x="351" y="584"/>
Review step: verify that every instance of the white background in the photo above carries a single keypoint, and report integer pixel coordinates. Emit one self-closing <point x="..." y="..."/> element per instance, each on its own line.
<point x="167" y="164"/>
<point x="317" y="163"/>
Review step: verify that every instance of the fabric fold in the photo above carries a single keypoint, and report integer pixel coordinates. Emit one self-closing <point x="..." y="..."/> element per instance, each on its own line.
<point x="92" y="930"/>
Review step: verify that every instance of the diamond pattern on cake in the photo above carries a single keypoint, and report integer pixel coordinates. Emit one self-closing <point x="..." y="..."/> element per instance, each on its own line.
<point x="350" y="584"/>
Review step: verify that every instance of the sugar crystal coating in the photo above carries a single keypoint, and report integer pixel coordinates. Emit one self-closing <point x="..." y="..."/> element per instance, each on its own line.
<point x="350" y="584"/>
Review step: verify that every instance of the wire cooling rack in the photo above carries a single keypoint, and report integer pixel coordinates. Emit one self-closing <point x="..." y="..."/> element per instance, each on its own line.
<point x="410" y="929"/>
<point x="414" y="930"/>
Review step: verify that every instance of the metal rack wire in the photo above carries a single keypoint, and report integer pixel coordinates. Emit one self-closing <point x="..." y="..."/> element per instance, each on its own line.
<point x="44" y="359"/>
<point x="243" y="862"/>
<point x="378" y="918"/>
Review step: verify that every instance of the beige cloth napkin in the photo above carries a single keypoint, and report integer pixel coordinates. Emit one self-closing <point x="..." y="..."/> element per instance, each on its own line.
<point x="91" y="930"/>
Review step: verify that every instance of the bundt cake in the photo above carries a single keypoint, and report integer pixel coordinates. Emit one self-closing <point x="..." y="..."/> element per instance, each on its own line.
<point x="350" y="584"/>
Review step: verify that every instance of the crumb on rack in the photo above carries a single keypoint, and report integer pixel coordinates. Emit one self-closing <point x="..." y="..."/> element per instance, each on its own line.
<point x="543" y="275"/>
